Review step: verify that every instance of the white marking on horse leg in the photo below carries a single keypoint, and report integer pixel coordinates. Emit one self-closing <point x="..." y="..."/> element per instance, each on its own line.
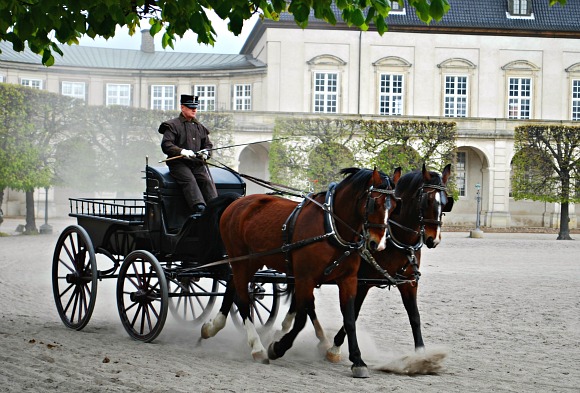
<point x="333" y="354"/>
<point x="323" y="343"/>
<point x="212" y="327"/>
<point x="287" y="322"/>
<point x="258" y="351"/>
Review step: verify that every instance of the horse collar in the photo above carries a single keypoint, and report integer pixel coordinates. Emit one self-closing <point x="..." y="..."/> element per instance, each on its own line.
<point x="330" y="225"/>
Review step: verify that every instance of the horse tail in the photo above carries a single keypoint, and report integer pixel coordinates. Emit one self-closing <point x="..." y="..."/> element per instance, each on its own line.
<point x="210" y="236"/>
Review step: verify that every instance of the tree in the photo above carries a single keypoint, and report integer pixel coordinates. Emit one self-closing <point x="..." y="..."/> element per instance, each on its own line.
<point x="410" y="144"/>
<point x="314" y="150"/>
<point x="546" y="167"/>
<point x="32" y="122"/>
<point x="43" y="25"/>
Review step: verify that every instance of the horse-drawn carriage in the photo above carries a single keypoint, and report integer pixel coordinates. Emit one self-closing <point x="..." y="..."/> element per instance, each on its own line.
<point x="151" y="246"/>
<point x="159" y="254"/>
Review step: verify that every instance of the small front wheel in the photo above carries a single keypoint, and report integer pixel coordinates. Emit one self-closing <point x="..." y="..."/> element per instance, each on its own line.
<point x="142" y="296"/>
<point x="74" y="277"/>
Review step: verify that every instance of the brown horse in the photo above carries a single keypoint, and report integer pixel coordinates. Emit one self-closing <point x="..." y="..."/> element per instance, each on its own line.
<point x="417" y="220"/>
<point x="316" y="241"/>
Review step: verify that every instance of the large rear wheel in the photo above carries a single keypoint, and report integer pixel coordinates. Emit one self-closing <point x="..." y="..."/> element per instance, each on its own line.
<point x="264" y="303"/>
<point x="142" y="296"/>
<point x="192" y="298"/>
<point x="74" y="277"/>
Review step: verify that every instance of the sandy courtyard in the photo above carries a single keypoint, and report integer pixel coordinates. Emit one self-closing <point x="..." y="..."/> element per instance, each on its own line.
<point x="505" y="310"/>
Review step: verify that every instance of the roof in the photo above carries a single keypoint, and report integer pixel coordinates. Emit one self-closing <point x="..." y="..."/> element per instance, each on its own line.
<point x="92" y="57"/>
<point x="464" y="17"/>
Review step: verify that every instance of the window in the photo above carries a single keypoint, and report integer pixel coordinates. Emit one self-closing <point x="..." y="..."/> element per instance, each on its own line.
<point x="1" y="78"/>
<point x="242" y="97"/>
<point x="163" y="97"/>
<point x="118" y="94"/>
<point x="576" y="99"/>
<point x="520" y="96"/>
<point x="325" y="92"/>
<point x="206" y="94"/>
<point x="460" y="172"/>
<point x="396" y="8"/>
<point x="520" y="7"/>
<point x="74" y="90"/>
<point x="34" y="83"/>
<point x="455" y="98"/>
<point x="391" y="94"/>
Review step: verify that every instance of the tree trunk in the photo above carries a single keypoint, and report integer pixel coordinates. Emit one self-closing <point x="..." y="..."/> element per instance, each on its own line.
<point x="30" y="227"/>
<point x="564" y="222"/>
<point x="1" y="200"/>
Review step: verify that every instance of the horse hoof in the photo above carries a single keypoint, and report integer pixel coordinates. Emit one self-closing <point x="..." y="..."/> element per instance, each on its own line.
<point x="205" y="331"/>
<point x="333" y="355"/>
<point x="271" y="354"/>
<point x="260" y="357"/>
<point x="360" y="372"/>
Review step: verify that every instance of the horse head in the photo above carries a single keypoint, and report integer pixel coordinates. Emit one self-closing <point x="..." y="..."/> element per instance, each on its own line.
<point x="423" y="202"/>
<point x="434" y="202"/>
<point x="375" y="200"/>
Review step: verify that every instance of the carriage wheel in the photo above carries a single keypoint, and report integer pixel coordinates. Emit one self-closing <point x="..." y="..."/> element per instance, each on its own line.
<point x="192" y="299"/>
<point x="74" y="277"/>
<point x="264" y="302"/>
<point x="142" y="298"/>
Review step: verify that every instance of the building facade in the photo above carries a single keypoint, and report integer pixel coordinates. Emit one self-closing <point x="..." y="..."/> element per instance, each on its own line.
<point x="489" y="66"/>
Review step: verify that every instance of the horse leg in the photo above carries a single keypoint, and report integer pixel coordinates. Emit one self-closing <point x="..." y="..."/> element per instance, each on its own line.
<point x="212" y="327"/>
<point x="333" y="353"/>
<point x="304" y="300"/>
<point x="409" y="296"/>
<point x="347" y="292"/>
<point x="241" y="279"/>
<point x="323" y="344"/>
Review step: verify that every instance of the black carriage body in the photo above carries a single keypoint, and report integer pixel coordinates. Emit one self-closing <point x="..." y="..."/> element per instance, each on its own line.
<point x="160" y="223"/>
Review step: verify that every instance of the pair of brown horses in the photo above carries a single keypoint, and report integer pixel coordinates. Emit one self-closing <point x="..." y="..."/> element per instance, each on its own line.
<point x="329" y="237"/>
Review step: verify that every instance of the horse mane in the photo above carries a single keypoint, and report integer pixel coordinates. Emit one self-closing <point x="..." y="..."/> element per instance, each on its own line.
<point x="359" y="178"/>
<point x="410" y="182"/>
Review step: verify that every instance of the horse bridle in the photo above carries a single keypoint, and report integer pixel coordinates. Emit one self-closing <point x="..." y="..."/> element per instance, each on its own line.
<point x="410" y="250"/>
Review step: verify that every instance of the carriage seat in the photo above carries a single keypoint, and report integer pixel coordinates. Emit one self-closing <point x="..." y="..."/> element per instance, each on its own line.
<point x="160" y="182"/>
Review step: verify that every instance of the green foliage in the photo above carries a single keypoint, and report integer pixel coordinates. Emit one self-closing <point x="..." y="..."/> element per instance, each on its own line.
<point x="409" y="144"/>
<point x="546" y="163"/>
<point x="316" y="149"/>
<point x="43" y="25"/>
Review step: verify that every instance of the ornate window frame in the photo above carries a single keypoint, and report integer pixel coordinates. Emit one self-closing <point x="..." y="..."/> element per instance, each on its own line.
<point x="521" y="69"/>
<point x="328" y="65"/>
<point x="457" y="67"/>
<point x="392" y="65"/>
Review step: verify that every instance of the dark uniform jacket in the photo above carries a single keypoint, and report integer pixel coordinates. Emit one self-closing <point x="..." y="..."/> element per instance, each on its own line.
<point x="181" y="134"/>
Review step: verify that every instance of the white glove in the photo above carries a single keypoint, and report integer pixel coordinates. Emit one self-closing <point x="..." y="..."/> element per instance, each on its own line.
<point x="187" y="153"/>
<point x="203" y="154"/>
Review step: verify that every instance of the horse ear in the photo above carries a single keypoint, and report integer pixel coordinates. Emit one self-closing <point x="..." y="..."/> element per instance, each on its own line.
<point x="426" y="174"/>
<point x="376" y="179"/>
<point x="446" y="173"/>
<point x="396" y="175"/>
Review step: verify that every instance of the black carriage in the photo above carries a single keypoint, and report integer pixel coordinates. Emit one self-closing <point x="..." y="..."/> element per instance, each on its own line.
<point x="152" y="247"/>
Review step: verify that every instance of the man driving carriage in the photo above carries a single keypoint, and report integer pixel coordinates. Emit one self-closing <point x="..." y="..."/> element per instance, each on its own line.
<point x="187" y="140"/>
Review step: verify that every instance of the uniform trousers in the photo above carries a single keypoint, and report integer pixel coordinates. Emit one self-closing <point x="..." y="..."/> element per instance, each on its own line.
<point x="195" y="181"/>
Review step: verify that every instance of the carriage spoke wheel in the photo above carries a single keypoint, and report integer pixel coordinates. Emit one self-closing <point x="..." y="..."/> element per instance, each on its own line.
<point x="142" y="297"/>
<point x="74" y="277"/>
<point x="192" y="298"/>
<point x="264" y="303"/>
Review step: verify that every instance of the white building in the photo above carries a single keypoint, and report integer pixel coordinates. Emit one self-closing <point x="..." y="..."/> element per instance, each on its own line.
<point x="490" y="66"/>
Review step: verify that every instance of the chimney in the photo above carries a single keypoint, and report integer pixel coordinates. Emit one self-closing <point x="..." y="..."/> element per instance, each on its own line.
<point x="147" y="43"/>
